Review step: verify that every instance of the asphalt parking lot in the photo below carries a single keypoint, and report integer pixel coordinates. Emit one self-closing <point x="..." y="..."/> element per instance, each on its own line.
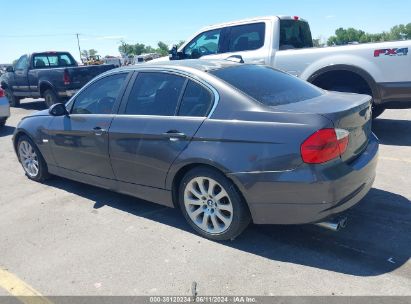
<point x="66" y="238"/>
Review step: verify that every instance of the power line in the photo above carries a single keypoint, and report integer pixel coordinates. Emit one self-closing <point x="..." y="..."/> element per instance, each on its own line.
<point x="28" y="36"/>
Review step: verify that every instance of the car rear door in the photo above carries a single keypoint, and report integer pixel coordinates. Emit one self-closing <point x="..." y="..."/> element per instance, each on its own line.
<point x="160" y="115"/>
<point x="79" y="141"/>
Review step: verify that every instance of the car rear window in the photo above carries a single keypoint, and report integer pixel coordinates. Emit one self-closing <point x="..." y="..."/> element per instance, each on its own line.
<point x="266" y="85"/>
<point x="295" y="35"/>
<point x="46" y="60"/>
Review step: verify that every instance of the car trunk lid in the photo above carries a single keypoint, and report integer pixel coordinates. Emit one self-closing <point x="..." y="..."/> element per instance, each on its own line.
<point x="351" y="112"/>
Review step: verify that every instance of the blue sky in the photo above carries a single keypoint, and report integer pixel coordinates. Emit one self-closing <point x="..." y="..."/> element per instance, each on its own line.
<point x="29" y="26"/>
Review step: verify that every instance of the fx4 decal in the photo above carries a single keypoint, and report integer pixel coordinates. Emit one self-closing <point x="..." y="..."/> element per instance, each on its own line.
<point x="391" y="52"/>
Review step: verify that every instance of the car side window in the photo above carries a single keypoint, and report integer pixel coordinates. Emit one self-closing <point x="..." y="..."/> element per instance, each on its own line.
<point x="206" y="43"/>
<point x="22" y="63"/>
<point x="197" y="101"/>
<point x="246" y="37"/>
<point x="100" y="96"/>
<point x="155" y="94"/>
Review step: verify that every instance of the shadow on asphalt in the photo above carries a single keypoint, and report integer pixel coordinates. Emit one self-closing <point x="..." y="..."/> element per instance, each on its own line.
<point x="393" y="132"/>
<point x="6" y="130"/>
<point x="36" y="105"/>
<point x="377" y="239"/>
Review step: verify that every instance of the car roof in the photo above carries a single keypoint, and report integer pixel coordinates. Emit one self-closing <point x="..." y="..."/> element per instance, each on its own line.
<point x="196" y="64"/>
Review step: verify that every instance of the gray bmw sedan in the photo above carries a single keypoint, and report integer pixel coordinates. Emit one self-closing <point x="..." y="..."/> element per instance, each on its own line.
<point x="226" y="143"/>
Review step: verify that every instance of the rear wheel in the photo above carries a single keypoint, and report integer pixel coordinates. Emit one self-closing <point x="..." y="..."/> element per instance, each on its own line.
<point x="31" y="159"/>
<point x="13" y="100"/>
<point x="212" y="205"/>
<point x="50" y="98"/>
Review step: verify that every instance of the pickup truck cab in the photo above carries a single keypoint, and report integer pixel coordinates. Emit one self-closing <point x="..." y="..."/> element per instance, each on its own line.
<point x="54" y="76"/>
<point x="381" y="70"/>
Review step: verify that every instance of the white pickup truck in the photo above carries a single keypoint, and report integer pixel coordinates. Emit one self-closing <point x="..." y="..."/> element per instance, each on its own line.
<point x="382" y="70"/>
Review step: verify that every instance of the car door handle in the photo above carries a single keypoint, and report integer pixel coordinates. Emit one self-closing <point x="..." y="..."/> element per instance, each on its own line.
<point x="99" y="131"/>
<point x="174" y="135"/>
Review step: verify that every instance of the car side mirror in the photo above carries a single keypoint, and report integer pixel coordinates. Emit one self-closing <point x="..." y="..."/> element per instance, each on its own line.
<point x="174" y="54"/>
<point x="58" y="109"/>
<point x="9" y="69"/>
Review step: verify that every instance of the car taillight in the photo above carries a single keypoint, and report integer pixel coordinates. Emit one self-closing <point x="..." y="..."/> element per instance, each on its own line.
<point x="2" y="92"/>
<point x="66" y="77"/>
<point x="324" y="145"/>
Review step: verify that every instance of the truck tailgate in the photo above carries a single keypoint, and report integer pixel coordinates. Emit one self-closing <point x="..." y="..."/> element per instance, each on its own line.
<point x="81" y="75"/>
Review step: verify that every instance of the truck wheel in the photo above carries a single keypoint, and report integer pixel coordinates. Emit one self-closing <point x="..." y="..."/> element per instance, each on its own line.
<point x="376" y="111"/>
<point x="50" y="98"/>
<point x="13" y="100"/>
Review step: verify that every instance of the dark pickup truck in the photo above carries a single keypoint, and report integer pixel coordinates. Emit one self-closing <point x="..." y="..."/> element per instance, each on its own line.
<point x="54" y="76"/>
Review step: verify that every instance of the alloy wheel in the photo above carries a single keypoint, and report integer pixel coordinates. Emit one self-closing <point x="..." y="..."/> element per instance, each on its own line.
<point x="208" y="205"/>
<point x="28" y="158"/>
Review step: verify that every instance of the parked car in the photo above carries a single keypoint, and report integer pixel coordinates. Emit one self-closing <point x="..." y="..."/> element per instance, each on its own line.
<point x="54" y="76"/>
<point x="4" y="108"/>
<point x="377" y="69"/>
<point x="224" y="142"/>
<point x="116" y="61"/>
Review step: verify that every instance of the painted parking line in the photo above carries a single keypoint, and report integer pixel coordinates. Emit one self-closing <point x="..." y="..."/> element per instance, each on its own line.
<point x="406" y="160"/>
<point x="20" y="289"/>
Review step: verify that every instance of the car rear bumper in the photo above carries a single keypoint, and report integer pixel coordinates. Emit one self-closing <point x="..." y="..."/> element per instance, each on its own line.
<point x="395" y="95"/>
<point x="308" y="193"/>
<point x="4" y="108"/>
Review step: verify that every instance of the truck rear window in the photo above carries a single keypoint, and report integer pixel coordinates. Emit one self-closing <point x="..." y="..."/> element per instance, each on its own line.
<point x="52" y="60"/>
<point x="295" y="34"/>
<point x="267" y="85"/>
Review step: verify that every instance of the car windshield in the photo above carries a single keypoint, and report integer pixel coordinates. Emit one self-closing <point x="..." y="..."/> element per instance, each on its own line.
<point x="266" y="85"/>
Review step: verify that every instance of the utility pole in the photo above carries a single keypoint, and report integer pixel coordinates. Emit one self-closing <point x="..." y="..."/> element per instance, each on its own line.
<point x="78" y="43"/>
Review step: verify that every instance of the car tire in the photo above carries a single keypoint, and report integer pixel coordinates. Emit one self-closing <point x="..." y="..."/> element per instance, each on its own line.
<point x="50" y="98"/>
<point x="13" y="100"/>
<point x="219" y="213"/>
<point x="376" y="111"/>
<point x="31" y="160"/>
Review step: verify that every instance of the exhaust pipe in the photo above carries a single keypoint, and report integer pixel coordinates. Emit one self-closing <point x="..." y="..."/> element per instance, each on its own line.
<point x="334" y="224"/>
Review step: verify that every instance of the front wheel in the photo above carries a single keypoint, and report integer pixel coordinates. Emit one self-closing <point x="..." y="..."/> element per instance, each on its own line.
<point x="376" y="110"/>
<point x="50" y="98"/>
<point x="212" y="205"/>
<point x="13" y="100"/>
<point x="31" y="159"/>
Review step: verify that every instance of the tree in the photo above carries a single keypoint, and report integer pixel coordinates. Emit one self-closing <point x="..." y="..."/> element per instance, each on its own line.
<point x="162" y="48"/>
<point x="345" y="36"/>
<point x="92" y="52"/>
<point x="140" y="48"/>
<point x="84" y="53"/>
<point x="88" y="53"/>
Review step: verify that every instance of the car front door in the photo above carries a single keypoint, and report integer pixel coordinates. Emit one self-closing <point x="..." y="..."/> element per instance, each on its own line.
<point x="156" y="122"/>
<point x="79" y="141"/>
<point x="207" y="45"/>
<point x="21" y="83"/>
